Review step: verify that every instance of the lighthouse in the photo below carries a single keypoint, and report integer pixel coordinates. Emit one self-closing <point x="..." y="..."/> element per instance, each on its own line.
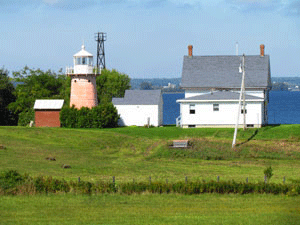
<point x="83" y="80"/>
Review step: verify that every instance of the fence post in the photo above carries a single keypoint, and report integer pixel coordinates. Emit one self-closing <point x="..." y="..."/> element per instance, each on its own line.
<point x="113" y="179"/>
<point x="247" y="180"/>
<point x="218" y="178"/>
<point x="265" y="179"/>
<point x="78" y="179"/>
<point x="284" y="179"/>
<point x="150" y="180"/>
<point x="186" y="180"/>
<point x="166" y="181"/>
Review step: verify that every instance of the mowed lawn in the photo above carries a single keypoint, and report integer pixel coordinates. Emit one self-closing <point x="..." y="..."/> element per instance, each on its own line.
<point x="137" y="153"/>
<point x="150" y="209"/>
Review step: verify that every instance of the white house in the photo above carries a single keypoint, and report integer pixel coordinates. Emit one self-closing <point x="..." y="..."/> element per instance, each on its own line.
<point x="212" y="85"/>
<point x="140" y="107"/>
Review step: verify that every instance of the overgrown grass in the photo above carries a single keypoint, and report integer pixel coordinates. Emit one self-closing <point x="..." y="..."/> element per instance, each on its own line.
<point x="13" y="183"/>
<point x="150" y="209"/>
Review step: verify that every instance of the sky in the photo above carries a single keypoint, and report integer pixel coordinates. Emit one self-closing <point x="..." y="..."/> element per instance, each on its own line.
<point x="148" y="38"/>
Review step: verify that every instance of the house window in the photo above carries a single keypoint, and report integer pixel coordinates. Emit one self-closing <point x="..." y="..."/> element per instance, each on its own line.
<point x="242" y="111"/>
<point x="192" y="109"/>
<point x="215" y="107"/>
<point x="192" y="126"/>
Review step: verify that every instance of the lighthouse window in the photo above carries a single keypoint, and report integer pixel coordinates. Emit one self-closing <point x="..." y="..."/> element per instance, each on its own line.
<point x="84" y="61"/>
<point x="78" y="61"/>
<point x="90" y="61"/>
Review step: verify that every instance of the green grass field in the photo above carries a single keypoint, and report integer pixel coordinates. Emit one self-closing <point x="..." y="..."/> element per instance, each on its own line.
<point x="137" y="153"/>
<point x="150" y="209"/>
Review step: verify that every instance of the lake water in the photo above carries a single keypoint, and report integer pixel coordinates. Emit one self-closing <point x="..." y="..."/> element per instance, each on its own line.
<point x="283" y="107"/>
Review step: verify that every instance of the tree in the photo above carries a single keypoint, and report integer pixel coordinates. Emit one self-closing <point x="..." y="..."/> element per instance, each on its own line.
<point x="111" y="84"/>
<point x="6" y="97"/>
<point x="37" y="84"/>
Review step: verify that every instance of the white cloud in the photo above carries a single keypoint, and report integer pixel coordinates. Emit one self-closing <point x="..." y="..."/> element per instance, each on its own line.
<point x="293" y="8"/>
<point x="255" y="5"/>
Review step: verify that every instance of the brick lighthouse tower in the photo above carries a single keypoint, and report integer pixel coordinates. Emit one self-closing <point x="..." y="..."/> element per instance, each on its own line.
<point x="83" y="80"/>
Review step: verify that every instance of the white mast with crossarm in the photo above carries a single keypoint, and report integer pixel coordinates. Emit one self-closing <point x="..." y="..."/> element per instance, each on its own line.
<point x="242" y="95"/>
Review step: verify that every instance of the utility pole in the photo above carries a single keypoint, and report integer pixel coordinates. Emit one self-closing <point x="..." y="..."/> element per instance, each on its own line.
<point x="242" y="95"/>
<point x="243" y="87"/>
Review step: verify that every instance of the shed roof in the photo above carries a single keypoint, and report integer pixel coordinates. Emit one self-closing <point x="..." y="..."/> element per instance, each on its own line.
<point x="139" y="97"/>
<point x="221" y="96"/>
<point x="48" y="104"/>
<point x="223" y="72"/>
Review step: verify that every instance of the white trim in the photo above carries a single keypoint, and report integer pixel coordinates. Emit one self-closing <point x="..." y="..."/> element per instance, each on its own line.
<point x="48" y="104"/>
<point x="224" y="100"/>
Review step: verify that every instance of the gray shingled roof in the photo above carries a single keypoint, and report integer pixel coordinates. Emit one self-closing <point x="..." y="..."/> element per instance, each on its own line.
<point x="139" y="97"/>
<point x="223" y="71"/>
<point x="220" y="95"/>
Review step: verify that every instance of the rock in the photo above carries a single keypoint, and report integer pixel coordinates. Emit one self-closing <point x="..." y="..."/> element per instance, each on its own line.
<point x="65" y="166"/>
<point x="51" y="158"/>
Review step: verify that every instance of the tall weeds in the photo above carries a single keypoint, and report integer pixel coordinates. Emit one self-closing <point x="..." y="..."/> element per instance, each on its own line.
<point x="13" y="183"/>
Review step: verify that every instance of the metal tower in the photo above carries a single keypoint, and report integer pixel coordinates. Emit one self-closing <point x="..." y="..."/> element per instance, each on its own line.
<point x="100" y="38"/>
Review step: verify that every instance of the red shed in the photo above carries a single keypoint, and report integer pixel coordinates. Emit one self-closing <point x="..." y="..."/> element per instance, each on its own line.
<point x="47" y="112"/>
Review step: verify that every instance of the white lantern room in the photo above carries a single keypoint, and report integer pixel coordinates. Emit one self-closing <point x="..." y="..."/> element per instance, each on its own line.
<point x="83" y="63"/>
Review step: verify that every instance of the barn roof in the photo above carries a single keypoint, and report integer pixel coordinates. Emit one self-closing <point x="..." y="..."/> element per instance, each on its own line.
<point x="48" y="104"/>
<point x="223" y="72"/>
<point x="220" y="96"/>
<point x="139" y="97"/>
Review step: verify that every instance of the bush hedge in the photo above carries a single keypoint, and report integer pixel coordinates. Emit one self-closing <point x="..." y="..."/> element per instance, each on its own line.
<point x="13" y="183"/>
<point x="101" y="116"/>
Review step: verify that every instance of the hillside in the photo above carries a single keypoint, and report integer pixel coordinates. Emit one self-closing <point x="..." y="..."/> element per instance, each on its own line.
<point x="137" y="153"/>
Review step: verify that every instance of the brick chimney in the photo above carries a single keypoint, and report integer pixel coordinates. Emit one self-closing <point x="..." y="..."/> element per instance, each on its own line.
<point x="190" y="47"/>
<point x="262" y="50"/>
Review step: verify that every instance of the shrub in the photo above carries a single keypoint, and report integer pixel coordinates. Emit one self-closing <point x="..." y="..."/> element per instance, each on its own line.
<point x="10" y="179"/>
<point x="268" y="173"/>
<point x="12" y="183"/>
<point x="102" y="116"/>
<point x="50" y="185"/>
<point x="25" y="117"/>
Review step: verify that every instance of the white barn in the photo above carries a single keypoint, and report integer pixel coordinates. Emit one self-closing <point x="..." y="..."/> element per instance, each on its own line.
<point x="140" y="107"/>
<point x="212" y="89"/>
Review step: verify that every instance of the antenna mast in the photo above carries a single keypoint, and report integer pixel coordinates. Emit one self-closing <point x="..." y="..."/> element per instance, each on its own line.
<point x="242" y="95"/>
<point x="100" y="38"/>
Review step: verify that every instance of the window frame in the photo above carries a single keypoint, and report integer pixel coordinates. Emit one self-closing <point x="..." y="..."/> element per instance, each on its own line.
<point x="192" y="108"/>
<point x="216" y="107"/>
